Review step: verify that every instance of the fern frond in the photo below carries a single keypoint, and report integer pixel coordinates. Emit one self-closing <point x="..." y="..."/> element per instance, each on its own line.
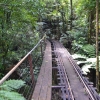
<point x="85" y="62"/>
<point x="7" y="90"/>
<point x="79" y="57"/>
<point x="12" y="85"/>
<point x="8" y="95"/>
<point x="89" y="50"/>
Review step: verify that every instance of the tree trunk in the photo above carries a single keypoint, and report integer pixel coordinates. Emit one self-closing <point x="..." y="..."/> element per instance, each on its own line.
<point x="89" y="33"/>
<point x="71" y="15"/>
<point x="91" y="26"/>
<point x="97" y="52"/>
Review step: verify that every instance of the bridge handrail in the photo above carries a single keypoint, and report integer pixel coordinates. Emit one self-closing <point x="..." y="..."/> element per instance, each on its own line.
<point x="19" y="63"/>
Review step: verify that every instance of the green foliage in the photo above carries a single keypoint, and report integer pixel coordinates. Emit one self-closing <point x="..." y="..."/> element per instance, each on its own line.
<point x="79" y="57"/>
<point x="80" y="46"/>
<point x="89" y="50"/>
<point x="85" y="62"/>
<point x="17" y="29"/>
<point x="8" y="90"/>
<point x="12" y="85"/>
<point x="7" y="95"/>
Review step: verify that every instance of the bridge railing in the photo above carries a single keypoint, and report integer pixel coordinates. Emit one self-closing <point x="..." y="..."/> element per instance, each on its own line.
<point x="27" y="69"/>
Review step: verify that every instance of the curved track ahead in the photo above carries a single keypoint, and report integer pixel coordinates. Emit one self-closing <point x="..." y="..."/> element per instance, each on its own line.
<point x="73" y="85"/>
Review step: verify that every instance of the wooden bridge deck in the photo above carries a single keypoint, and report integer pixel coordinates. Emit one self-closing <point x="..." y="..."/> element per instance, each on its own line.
<point x="71" y="82"/>
<point x="44" y="82"/>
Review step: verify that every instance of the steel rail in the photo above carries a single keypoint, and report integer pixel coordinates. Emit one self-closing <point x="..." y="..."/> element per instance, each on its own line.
<point x="90" y="92"/>
<point x="86" y="87"/>
<point x="17" y="65"/>
<point x="65" y="76"/>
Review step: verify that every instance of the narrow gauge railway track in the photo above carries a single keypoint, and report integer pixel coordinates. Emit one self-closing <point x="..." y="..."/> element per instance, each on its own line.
<point x="64" y="84"/>
<point x="71" y="83"/>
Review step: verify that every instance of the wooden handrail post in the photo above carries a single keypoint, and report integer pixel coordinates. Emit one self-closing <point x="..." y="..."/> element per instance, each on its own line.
<point x="41" y="50"/>
<point x="31" y="67"/>
<point x="45" y="39"/>
<point x="42" y="45"/>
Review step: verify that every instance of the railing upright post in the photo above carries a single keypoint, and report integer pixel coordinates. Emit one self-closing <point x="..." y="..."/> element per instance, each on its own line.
<point x="45" y="39"/>
<point x="31" y="67"/>
<point x="41" y="49"/>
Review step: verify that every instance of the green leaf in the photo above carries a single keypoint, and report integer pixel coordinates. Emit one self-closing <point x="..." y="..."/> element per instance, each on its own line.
<point x="12" y="85"/>
<point x="7" y="95"/>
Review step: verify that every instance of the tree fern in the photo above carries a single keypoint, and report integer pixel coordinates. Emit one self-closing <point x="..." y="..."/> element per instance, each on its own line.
<point x="89" y="50"/>
<point x="8" y="90"/>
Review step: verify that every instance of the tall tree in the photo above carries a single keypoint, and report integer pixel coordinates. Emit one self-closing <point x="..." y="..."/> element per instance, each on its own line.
<point x="71" y="15"/>
<point x="17" y="19"/>
<point x="97" y="47"/>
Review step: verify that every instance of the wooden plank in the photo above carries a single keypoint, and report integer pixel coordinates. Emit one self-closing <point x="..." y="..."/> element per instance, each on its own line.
<point x="43" y="86"/>
<point x="38" y="84"/>
<point x="49" y="81"/>
<point x="48" y="66"/>
<point x="43" y="91"/>
<point x="49" y="84"/>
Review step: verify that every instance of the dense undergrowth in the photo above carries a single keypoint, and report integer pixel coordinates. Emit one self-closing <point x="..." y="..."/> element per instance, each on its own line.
<point x="24" y="22"/>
